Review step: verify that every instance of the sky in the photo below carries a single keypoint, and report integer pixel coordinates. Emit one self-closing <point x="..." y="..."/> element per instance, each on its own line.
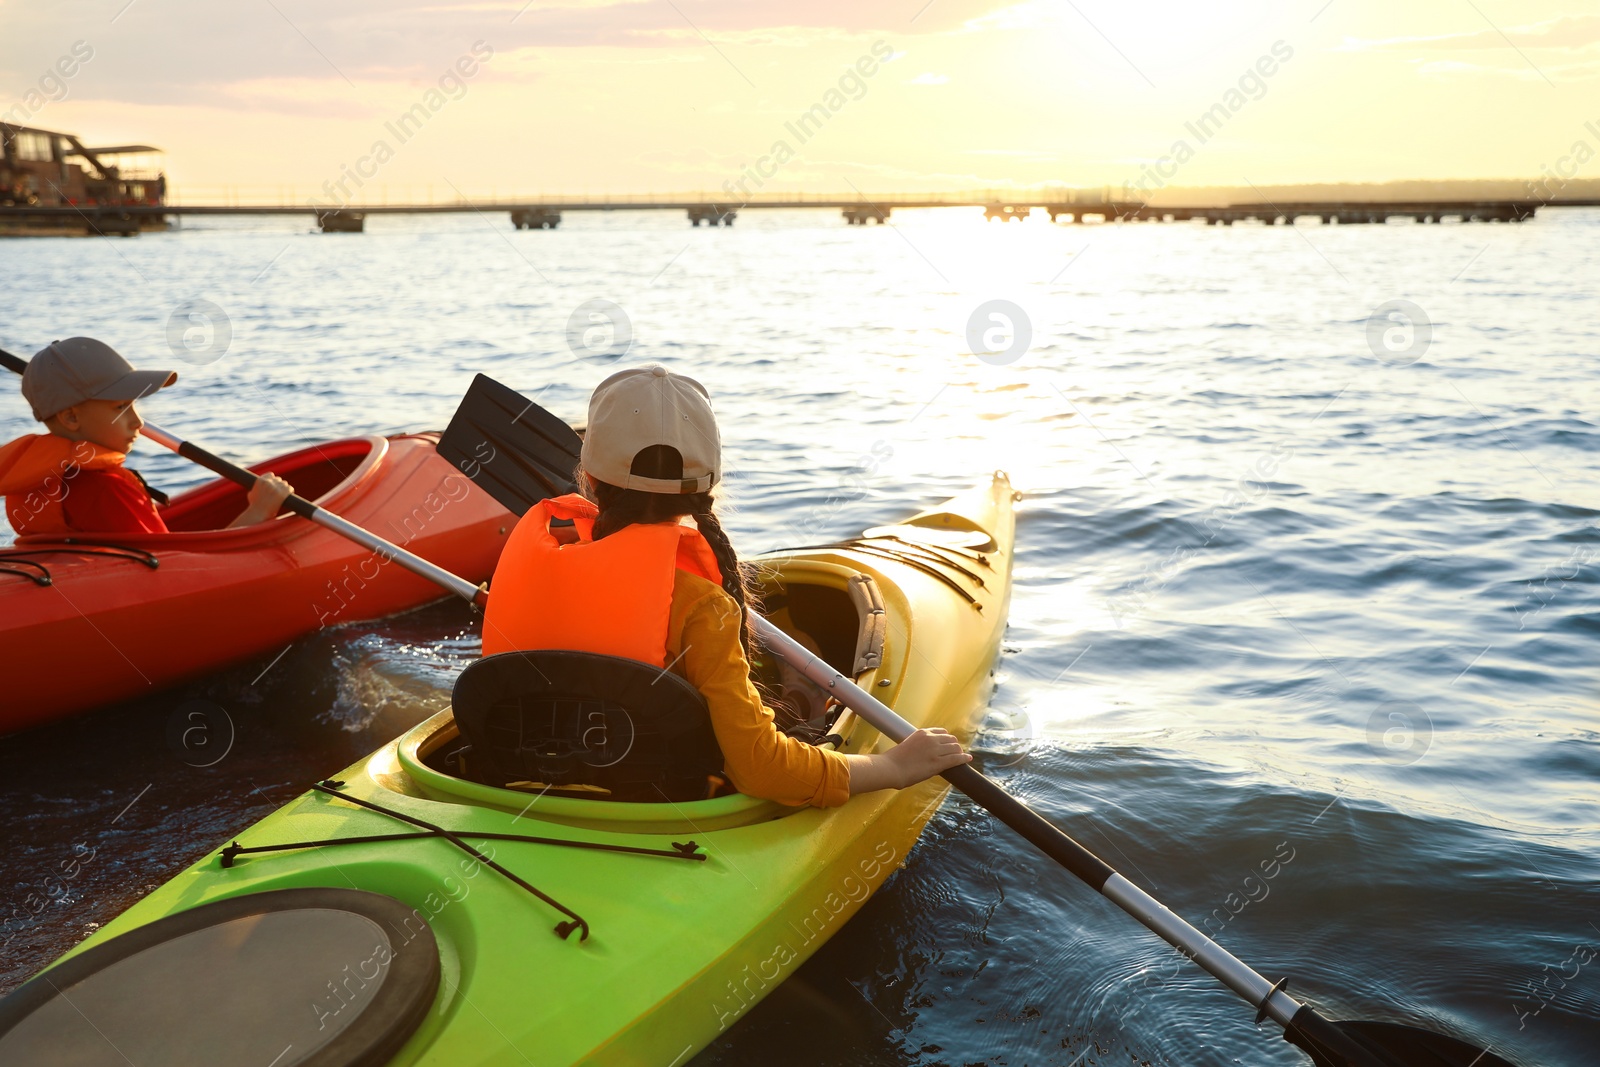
<point x="286" y="99"/>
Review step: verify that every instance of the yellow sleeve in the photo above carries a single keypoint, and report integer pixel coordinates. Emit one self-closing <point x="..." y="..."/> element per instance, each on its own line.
<point x="763" y="762"/>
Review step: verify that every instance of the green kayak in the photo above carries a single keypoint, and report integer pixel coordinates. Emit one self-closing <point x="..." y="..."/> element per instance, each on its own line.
<point x="402" y="914"/>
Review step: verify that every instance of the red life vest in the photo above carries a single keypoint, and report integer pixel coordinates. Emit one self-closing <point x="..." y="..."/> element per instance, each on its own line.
<point x="612" y="597"/>
<point x="36" y="477"/>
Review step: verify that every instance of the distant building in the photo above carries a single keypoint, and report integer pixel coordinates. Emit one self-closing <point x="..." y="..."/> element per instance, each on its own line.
<point x="46" y="169"/>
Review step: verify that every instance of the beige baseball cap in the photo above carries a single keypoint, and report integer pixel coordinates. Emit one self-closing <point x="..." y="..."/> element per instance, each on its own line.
<point x="64" y="373"/>
<point x="635" y="409"/>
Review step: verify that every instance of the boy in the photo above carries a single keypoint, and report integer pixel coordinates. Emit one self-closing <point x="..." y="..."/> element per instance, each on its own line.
<point x="71" y="480"/>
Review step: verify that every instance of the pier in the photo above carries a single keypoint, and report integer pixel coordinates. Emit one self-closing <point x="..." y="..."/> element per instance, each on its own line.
<point x="127" y="219"/>
<point x="1342" y="212"/>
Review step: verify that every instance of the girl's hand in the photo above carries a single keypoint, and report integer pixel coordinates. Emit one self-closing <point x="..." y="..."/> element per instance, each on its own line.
<point x="927" y="753"/>
<point x="918" y="758"/>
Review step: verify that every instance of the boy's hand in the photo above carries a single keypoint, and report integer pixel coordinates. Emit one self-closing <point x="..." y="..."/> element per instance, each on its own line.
<point x="266" y="497"/>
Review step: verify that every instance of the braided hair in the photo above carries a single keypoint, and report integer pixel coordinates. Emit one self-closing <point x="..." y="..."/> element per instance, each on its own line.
<point x="623" y="507"/>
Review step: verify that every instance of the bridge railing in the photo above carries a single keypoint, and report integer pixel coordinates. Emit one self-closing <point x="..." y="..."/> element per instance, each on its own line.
<point x="387" y="194"/>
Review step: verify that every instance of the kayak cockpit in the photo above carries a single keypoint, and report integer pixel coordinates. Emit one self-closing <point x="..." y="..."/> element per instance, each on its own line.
<point x="320" y="473"/>
<point x="837" y="610"/>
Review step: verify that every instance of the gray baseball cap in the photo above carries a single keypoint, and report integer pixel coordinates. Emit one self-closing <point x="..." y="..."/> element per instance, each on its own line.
<point x="635" y="409"/>
<point x="64" y="373"/>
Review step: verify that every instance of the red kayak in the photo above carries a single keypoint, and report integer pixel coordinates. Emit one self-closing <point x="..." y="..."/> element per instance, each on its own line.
<point x="92" y="620"/>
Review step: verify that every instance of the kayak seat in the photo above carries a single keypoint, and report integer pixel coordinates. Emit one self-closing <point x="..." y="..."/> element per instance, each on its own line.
<point x="845" y="627"/>
<point x="585" y="725"/>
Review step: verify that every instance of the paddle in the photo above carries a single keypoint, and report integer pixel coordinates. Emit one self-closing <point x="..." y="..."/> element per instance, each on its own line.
<point x="299" y="505"/>
<point x="534" y="454"/>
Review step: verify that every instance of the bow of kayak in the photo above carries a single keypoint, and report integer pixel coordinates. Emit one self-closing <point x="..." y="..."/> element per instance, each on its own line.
<point x="678" y="916"/>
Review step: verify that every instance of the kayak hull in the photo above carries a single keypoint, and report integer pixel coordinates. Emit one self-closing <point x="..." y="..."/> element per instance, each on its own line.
<point x="678" y="949"/>
<point x="111" y="627"/>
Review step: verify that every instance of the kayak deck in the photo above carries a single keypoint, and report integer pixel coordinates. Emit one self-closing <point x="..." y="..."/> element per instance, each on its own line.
<point x="678" y="948"/>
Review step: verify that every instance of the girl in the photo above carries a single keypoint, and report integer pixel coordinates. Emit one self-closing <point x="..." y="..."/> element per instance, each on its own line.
<point x="643" y="584"/>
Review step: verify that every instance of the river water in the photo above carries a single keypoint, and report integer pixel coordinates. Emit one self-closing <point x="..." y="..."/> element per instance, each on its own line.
<point x="1304" y="631"/>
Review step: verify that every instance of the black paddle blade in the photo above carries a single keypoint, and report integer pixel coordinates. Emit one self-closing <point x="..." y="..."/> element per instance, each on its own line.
<point x="1414" y="1047"/>
<point x="1388" y="1044"/>
<point x="514" y="449"/>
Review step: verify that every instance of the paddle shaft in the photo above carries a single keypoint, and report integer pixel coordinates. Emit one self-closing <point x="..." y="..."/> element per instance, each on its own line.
<point x="299" y="505"/>
<point x="1091" y="869"/>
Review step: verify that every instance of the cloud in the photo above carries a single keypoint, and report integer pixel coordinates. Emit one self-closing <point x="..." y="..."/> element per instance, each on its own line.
<point x="1518" y="71"/>
<point x="1028" y="15"/>
<point x="1568" y="49"/>
<point x="1572" y="33"/>
<point x="182" y="52"/>
<point x="285" y="96"/>
<point x="1020" y="153"/>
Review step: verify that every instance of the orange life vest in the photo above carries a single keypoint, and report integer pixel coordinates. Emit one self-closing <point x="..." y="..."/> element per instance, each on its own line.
<point x="36" y="472"/>
<point x="612" y="597"/>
